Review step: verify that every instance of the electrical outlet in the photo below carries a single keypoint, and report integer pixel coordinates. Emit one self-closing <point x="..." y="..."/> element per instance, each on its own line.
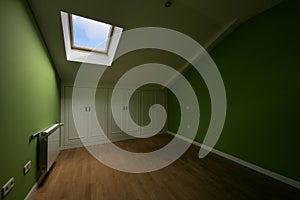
<point x="7" y="187"/>
<point x="27" y="167"/>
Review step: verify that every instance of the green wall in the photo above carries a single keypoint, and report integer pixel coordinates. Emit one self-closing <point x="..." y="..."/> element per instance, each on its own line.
<point x="30" y="94"/>
<point x="260" y="66"/>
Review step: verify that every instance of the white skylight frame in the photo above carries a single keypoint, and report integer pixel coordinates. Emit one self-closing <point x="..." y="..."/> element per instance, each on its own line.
<point x="91" y="56"/>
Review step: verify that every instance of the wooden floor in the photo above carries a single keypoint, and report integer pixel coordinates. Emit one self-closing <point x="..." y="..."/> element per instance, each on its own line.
<point x="77" y="175"/>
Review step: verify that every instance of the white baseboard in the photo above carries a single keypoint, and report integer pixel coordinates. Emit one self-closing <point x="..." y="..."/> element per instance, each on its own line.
<point x="28" y="196"/>
<point x="117" y="139"/>
<point x="264" y="171"/>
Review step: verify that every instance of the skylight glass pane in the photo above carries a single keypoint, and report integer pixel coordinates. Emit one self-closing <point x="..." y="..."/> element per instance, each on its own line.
<point x="90" y="34"/>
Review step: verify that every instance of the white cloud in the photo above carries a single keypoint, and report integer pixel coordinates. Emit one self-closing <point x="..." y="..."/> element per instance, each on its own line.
<point x="93" y="29"/>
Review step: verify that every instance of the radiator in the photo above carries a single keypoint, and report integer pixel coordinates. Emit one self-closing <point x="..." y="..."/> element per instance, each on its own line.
<point x="48" y="149"/>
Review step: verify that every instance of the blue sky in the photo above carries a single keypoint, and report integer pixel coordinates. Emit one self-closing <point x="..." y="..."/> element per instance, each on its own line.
<point x="90" y="33"/>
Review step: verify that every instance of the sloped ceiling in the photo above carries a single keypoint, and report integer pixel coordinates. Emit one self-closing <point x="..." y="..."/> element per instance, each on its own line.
<point x="206" y="21"/>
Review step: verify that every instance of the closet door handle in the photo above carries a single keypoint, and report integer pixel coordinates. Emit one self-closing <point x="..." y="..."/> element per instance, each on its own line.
<point x="89" y="109"/>
<point x="85" y="109"/>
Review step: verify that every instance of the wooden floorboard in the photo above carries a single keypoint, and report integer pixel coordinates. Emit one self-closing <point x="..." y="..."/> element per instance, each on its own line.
<point x="77" y="175"/>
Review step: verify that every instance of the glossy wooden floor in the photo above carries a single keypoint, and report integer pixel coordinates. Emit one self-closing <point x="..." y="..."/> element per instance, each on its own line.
<point x="77" y="175"/>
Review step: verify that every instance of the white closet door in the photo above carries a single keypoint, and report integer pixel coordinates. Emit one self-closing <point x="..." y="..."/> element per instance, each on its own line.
<point x="147" y="100"/>
<point x="97" y="117"/>
<point x="114" y="130"/>
<point x="133" y="111"/>
<point x="123" y="112"/>
<point x="160" y="98"/>
<point x="72" y="136"/>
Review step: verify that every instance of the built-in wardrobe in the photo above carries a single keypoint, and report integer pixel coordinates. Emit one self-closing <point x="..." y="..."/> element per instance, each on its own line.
<point x="87" y="130"/>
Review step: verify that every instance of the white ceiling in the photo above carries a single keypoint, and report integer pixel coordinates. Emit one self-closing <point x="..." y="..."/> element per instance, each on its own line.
<point x="206" y="21"/>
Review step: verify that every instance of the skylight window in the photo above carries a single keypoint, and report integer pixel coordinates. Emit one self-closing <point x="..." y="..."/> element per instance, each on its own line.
<point x="90" y="35"/>
<point x="89" y="41"/>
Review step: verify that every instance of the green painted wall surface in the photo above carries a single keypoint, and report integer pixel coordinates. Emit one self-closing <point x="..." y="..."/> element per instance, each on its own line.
<point x="260" y="66"/>
<point x="29" y="91"/>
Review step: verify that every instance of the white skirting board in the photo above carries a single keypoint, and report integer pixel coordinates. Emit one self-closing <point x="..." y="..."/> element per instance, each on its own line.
<point x="267" y="172"/>
<point x="34" y="187"/>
